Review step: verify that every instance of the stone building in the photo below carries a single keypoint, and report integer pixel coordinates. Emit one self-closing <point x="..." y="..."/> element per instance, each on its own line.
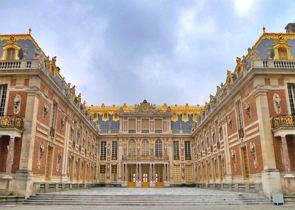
<point x="241" y="139"/>
<point x="47" y="135"/>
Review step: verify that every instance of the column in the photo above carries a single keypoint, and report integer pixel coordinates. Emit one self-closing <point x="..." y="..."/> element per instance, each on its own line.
<point x="122" y="172"/>
<point x="228" y="176"/>
<point x="164" y="172"/>
<point x="154" y="172"/>
<point x="10" y="156"/>
<point x="126" y="172"/>
<point x="150" y="173"/>
<point x="286" y="159"/>
<point x="168" y="173"/>
<point x="140" y="173"/>
<point x="136" y="172"/>
<point x="271" y="180"/>
<point x="65" y="153"/>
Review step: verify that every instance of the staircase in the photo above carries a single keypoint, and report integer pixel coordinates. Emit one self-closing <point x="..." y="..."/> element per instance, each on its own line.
<point x="146" y="200"/>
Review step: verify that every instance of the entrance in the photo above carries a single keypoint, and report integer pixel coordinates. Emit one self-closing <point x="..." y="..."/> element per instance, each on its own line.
<point x="131" y="175"/>
<point x="245" y="162"/>
<point x="145" y="176"/>
<point x="49" y="163"/>
<point x="159" y="175"/>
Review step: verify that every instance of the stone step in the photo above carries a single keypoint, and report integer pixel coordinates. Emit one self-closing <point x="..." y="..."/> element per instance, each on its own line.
<point x="142" y="200"/>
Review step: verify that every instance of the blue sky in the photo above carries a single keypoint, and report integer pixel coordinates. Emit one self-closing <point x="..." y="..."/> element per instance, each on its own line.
<point x="165" y="51"/>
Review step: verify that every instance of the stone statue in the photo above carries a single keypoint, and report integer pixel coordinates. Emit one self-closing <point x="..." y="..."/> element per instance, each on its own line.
<point x="277" y="103"/>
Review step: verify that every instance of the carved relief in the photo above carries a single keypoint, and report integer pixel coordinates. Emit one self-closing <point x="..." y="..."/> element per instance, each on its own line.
<point x="248" y="109"/>
<point x="40" y="155"/>
<point x="253" y="153"/>
<point x="277" y="103"/>
<point x="16" y="104"/>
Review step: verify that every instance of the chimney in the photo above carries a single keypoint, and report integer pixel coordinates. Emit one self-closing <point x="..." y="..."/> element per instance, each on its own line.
<point x="290" y="28"/>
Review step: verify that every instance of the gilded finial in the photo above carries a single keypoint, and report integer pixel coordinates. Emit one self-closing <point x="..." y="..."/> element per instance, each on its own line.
<point x="263" y="29"/>
<point x="30" y="30"/>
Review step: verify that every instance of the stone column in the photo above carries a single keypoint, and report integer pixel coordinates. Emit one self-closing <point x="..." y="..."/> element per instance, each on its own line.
<point x="140" y="172"/>
<point x="164" y="172"/>
<point x="271" y="181"/>
<point x="286" y="159"/>
<point x="123" y="173"/>
<point x="126" y="173"/>
<point x="64" y="177"/>
<point x="168" y="174"/>
<point x="228" y="176"/>
<point x="10" y="156"/>
<point x="150" y="173"/>
<point x="23" y="177"/>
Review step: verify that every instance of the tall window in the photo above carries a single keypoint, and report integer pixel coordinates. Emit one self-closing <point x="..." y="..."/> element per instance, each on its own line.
<point x="240" y="119"/>
<point x="103" y="150"/>
<point x="282" y="53"/>
<point x="145" y="147"/>
<point x="145" y="125"/>
<point x="3" y="92"/>
<point x="54" y="111"/>
<point x="158" y="148"/>
<point x="291" y="92"/>
<point x="131" y="148"/>
<point x="114" y="150"/>
<point x="10" y="54"/>
<point x="132" y="125"/>
<point x="187" y="150"/>
<point x="158" y="125"/>
<point x="176" y="150"/>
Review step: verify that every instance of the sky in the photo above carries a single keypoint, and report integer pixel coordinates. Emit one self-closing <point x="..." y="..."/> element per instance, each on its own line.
<point x="165" y="51"/>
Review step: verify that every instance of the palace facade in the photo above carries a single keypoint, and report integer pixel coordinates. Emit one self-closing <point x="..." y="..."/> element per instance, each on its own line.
<point x="241" y="139"/>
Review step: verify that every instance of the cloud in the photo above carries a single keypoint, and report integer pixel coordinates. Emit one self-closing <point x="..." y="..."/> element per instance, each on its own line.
<point x="120" y="51"/>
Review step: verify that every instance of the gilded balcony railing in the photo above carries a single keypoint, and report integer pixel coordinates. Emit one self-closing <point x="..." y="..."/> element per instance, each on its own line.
<point x="145" y="157"/>
<point x="283" y="121"/>
<point x="11" y="122"/>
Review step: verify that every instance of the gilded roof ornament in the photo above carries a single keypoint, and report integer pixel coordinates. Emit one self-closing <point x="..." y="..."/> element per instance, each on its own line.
<point x="30" y="30"/>
<point x="73" y="90"/>
<point x="229" y="78"/>
<point x="239" y="67"/>
<point x="263" y="29"/>
<point x="53" y="68"/>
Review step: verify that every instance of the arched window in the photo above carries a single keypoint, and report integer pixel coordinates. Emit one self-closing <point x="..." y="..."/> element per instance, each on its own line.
<point x="145" y="147"/>
<point x="10" y="54"/>
<point x="131" y="148"/>
<point x="158" y="148"/>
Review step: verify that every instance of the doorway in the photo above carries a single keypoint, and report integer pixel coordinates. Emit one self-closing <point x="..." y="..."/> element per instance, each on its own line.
<point x="49" y="163"/>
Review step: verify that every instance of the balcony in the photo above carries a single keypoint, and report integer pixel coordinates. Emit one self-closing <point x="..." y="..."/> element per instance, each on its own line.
<point x="283" y="121"/>
<point x="19" y="65"/>
<point x="11" y="122"/>
<point x="145" y="158"/>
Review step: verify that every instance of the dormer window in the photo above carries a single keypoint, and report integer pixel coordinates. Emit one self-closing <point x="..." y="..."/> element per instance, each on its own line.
<point x="282" y="53"/>
<point x="282" y="49"/>
<point x="10" y="54"/>
<point x="11" y="50"/>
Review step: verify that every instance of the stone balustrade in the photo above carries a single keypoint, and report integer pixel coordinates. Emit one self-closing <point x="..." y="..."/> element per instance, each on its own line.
<point x="281" y="64"/>
<point x="145" y="158"/>
<point x="19" y="65"/>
